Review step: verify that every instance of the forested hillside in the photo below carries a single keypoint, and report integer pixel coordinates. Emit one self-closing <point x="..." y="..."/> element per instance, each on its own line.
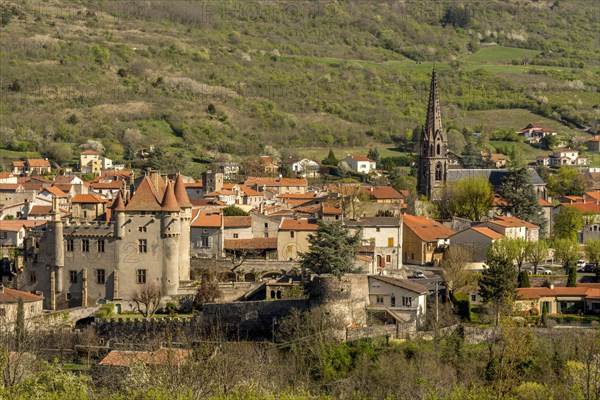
<point x="209" y="78"/>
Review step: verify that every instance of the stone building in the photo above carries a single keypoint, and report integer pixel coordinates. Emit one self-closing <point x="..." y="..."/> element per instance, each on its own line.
<point x="147" y="241"/>
<point x="384" y="236"/>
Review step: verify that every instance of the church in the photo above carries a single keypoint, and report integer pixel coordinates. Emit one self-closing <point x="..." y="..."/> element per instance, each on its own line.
<point x="433" y="167"/>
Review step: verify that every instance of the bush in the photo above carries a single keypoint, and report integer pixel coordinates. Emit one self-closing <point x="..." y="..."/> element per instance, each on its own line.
<point x="462" y="306"/>
<point x="105" y="311"/>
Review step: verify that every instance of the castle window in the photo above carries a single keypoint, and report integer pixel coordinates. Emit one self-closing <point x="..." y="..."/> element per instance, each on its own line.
<point x="100" y="276"/>
<point x="140" y="276"/>
<point x="85" y="245"/>
<point x="141" y="229"/>
<point x="266" y="234"/>
<point x="100" y="246"/>
<point x="33" y="277"/>
<point x="292" y="234"/>
<point x="70" y="244"/>
<point x="236" y="236"/>
<point x="438" y="171"/>
<point x="142" y="246"/>
<point x="266" y="224"/>
<point x="73" y="276"/>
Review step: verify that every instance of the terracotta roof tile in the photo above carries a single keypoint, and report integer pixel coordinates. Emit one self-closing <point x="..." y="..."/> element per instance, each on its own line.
<point x="144" y="198"/>
<point x="509" y="222"/>
<point x="303" y="224"/>
<point x="361" y="158"/>
<point x="537" y="292"/>
<point x="56" y="191"/>
<point x="38" y="162"/>
<point x="11" y="296"/>
<point x="485" y="231"/>
<point x="181" y="193"/>
<point x="591" y="208"/>
<point x="118" y="204"/>
<point x="112" y="185"/>
<point x="382" y="192"/>
<point x="206" y="219"/>
<point x="237" y="222"/>
<point x="426" y="229"/>
<point x="169" y="202"/>
<point x="40" y="210"/>
<point x="195" y="185"/>
<point x="10" y="187"/>
<point x="88" y="198"/>
<point x="275" y="182"/>
<point x="90" y="153"/>
<point x="254" y="243"/>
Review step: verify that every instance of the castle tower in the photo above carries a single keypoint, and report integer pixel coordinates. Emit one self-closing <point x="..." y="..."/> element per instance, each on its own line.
<point x="433" y="145"/>
<point x="56" y="226"/>
<point x="118" y="215"/>
<point x="212" y="181"/>
<point x="170" y="232"/>
<point x="185" y="219"/>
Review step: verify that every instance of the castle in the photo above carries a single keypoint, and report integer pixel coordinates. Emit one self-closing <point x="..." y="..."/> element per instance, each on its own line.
<point x="146" y="241"/>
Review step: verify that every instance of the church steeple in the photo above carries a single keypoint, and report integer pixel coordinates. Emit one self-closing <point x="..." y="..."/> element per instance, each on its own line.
<point x="434" y="114"/>
<point x="433" y="144"/>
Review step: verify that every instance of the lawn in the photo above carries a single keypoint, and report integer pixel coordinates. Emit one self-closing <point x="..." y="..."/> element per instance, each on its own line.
<point x="512" y="118"/>
<point x="8" y="155"/>
<point x="320" y="153"/>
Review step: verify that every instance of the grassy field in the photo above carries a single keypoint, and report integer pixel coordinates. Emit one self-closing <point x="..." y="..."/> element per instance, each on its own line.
<point x="320" y="153"/>
<point x="512" y="118"/>
<point x="500" y="55"/>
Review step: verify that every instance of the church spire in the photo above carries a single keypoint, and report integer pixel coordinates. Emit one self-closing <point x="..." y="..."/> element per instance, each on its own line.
<point x="434" y="114"/>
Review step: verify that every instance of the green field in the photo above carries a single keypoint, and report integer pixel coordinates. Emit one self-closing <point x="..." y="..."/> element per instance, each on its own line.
<point x="320" y="153"/>
<point x="500" y="55"/>
<point x="512" y="118"/>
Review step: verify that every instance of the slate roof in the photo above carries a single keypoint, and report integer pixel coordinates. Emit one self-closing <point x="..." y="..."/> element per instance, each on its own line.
<point x="495" y="176"/>
<point x="403" y="283"/>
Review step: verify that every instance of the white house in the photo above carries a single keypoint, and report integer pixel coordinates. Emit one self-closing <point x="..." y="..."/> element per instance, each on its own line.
<point x="514" y="228"/>
<point x="535" y="132"/>
<point x="382" y="238"/>
<point x="307" y="168"/>
<point x="401" y="299"/>
<point x="360" y="164"/>
<point x="562" y="157"/>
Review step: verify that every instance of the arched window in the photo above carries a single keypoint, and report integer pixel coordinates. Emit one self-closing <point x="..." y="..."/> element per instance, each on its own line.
<point x="438" y="171"/>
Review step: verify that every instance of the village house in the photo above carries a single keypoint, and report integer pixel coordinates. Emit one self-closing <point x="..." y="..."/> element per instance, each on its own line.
<point x="51" y="192"/>
<point x="292" y="237"/>
<point x="384" y="236"/>
<point x="268" y="165"/>
<point x="36" y="166"/>
<point x="591" y="218"/>
<point x="475" y="242"/>
<point x="9" y="304"/>
<point x="593" y="144"/>
<point x="279" y="185"/>
<point x="360" y="164"/>
<point x="558" y="300"/>
<point x="397" y="300"/>
<point x="562" y="157"/>
<point x="108" y="188"/>
<point x="497" y="160"/>
<point x="514" y="228"/>
<point x="423" y="240"/>
<point x="11" y="193"/>
<point x="264" y="226"/>
<point x="194" y="190"/>
<point x="304" y="167"/>
<point x="88" y="207"/>
<point x="12" y="232"/>
<point x="535" y="132"/>
<point x="206" y="234"/>
<point x="8" y="177"/>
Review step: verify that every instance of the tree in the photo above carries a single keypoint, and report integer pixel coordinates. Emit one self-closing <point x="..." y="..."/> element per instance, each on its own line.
<point x="592" y="251"/>
<point x="522" y="202"/>
<point x="471" y="198"/>
<point x="94" y="145"/>
<point x="332" y="249"/>
<point x="60" y="152"/>
<point x="233" y="211"/>
<point x="572" y="277"/>
<point x="498" y="282"/>
<point x="147" y="300"/>
<point x="567" y="251"/>
<point x="453" y="268"/>
<point x="538" y="253"/>
<point x="273" y="153"/>
<point x="471" y="157"/>
<point x="373" y="154"/>
<point x="330" y="159"/>
<point x="521" y="250"/>
<point x="566" y="182"/>
<point x="207" y="292"/>
<point x="568" y="223"/>
<point x="20" y="324"/>
<point x="523" y="280"/>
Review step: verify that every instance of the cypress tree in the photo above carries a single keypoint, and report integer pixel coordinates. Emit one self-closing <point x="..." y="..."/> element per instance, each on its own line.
<point x="572" y="278"/>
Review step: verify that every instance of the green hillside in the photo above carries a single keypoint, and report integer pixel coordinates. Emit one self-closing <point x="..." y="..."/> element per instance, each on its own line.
<point x="208" y="80"/>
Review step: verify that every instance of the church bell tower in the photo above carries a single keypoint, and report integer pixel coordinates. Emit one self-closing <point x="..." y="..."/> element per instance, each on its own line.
<point x="433" y="149"/>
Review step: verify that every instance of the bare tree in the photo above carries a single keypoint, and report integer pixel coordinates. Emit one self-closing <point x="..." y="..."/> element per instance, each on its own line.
<point x="453" y="268"/>
<point x="147" y="300"/>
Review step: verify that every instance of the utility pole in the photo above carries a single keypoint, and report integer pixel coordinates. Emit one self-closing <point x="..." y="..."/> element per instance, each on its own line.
<point x="437" y="310"/>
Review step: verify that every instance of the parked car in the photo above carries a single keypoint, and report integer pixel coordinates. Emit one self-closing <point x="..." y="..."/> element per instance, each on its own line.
<point x="589" y="267"/>
<point x="580" y="264"/>
<point x="418" y="274"/>
<point x="542" y="271"/>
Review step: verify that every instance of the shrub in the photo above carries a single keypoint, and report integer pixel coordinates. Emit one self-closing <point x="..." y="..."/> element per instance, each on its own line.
<point x="105" y="311"/>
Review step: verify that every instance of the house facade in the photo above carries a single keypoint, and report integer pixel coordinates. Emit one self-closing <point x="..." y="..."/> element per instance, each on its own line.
<point x="384" y="236"/>
<point x="423" y="240"/>
<point x="292" y="237"/>
<point x="401" y="299"/>
<point x="360" y="164"/>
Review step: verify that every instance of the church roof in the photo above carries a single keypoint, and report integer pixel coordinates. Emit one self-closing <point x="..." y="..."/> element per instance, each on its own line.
<point x="495" y="176"/>
<point x="433" y="122"/>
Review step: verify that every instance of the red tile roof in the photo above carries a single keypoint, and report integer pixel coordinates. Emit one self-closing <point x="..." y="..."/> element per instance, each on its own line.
<point x="586" y="208"/>
<point x="426" y="229"/>
<point x="382" y="192"/>
<point x="38" y="162"/>
<point x="118" y="204"/>
<point x="544" y="203"/>
<point x="361" y="158"/>
<point x="537" y="292"/>
<point x="595" y="139"/>
<point x="237" y="222"/>
<point x="206" y="219"/>
<point x="90" y="153"/>
<point x="10" y="187"/>
<point x="297" y="196"/>
<point x="509" y="222"/>
<point x="332" y="211"/>
<point x="144" y="198"/>
<point x="88" y="198"/>
<point x="195" y="185"/>
<point x="254" y="243"/>
<point x="303" y="224"/>
<point x="169" y="202"/>
<point x="112" y="185"/>
<point x="180" y="192"/>
<point x="484" y="230"/>
<point x="12" y="296"/>
<point x="275" y="182"/>
<point x="40" y="210"/>
<point x="56" y="191"/>
<point x="126" y="358"/>
<point x="19" y="164"/>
